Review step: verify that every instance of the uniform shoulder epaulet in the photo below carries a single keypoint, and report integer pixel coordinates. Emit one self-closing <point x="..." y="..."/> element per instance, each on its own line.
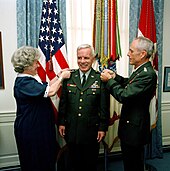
<point x="97" y="72"/>
<point x="73" y="70"/>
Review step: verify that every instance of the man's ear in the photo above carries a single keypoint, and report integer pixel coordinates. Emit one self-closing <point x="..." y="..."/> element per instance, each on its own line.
<point x="143" y="54"/>
<point x="94" y="59"/>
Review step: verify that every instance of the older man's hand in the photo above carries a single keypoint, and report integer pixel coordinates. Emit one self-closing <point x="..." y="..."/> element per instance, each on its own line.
<point x="107" y="75"/>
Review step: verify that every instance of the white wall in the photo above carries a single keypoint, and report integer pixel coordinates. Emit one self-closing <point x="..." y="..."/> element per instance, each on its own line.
<point x="165" y="107"/>
<point x="166" y="46"/>
<point x="9" y="43"/>
<point x="8" y="27"/>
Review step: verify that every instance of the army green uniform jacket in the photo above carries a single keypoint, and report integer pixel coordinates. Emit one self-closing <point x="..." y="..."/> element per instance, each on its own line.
<point x="84" y="110"/>
<point x="135" y="94"/>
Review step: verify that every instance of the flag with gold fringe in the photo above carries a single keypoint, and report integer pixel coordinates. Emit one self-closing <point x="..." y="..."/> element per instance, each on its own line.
<point x="147" y="28"/>
<point x="106" y="41"/>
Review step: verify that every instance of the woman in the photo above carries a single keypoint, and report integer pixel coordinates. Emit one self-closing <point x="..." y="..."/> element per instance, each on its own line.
<point x="34" y="125"/>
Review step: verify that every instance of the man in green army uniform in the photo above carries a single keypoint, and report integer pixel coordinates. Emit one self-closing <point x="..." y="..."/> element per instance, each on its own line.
<point x="83" y="112"/>
<point x="135" y="93"/>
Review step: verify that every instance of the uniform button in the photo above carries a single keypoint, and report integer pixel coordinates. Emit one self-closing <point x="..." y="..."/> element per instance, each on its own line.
<point x="80" y="107"/>
<point x="94" y="93"/>
<point x="127" y="121"/>
<point x="81" y="100"/>
<point x="79" y="114"/>
<point x="69" y="91"/>
<point x="81" y="93"/>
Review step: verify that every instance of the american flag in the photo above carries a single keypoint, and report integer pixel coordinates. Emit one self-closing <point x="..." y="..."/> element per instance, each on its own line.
<point x="51" y="45"/>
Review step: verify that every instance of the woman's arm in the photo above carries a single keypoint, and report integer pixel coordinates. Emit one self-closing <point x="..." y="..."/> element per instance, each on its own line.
<point x="56" y="82"/>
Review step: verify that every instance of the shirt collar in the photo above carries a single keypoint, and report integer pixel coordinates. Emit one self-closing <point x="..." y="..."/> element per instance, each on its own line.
<point x="138" y="67"/>
<point x="28" y="75"/>
<point x="87" y="73"/>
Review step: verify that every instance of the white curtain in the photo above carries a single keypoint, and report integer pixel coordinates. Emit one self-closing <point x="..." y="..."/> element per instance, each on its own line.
<point x="123" y="19"/>
<point x="79" y="16"/>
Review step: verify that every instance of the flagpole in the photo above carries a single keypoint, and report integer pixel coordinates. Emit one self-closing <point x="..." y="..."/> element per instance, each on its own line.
<point x="105" y="159"/>
<point x="105" y="156"/>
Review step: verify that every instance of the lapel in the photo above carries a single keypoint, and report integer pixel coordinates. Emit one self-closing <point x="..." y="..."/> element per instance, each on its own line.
<point x="138" y="71"/>
<point x="76" y="79"/>
<point x="90" y="80"/>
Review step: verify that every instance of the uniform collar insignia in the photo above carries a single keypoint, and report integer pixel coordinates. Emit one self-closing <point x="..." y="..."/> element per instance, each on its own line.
<point x="145" y="69"/>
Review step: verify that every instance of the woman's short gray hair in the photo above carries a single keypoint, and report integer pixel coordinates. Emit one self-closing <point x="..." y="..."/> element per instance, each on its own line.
<point x="24" y="57"/>
<point x="145" y="44"/>
<point x="84" y="46"/>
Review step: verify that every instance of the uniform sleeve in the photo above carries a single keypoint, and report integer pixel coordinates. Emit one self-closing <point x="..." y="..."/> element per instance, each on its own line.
<point x="104" y="108"/>
<point x="62" y="104"/>
<point x="140" y="85"/>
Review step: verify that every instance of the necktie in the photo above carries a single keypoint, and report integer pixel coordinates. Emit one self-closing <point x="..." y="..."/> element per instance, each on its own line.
<point x="84" y="80"/>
